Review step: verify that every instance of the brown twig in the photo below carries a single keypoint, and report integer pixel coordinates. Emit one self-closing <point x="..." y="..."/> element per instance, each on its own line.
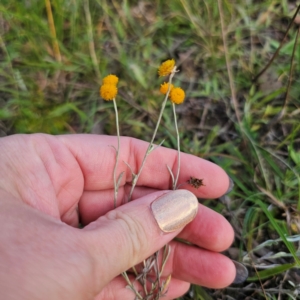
<point x="278" y="49"/>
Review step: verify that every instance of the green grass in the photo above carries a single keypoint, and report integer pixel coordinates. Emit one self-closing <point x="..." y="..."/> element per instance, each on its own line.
<point x="238" y="126"/>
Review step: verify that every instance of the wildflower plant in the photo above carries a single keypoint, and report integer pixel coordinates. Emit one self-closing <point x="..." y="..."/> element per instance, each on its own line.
<point x="176" y="95"/>
<point x="108" y="91"/>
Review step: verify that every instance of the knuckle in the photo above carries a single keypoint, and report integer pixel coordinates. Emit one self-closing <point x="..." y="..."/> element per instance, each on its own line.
<point x="132" y="232"/>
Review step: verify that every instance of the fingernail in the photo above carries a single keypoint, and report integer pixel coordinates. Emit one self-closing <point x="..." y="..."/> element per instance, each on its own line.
<point x="231" y="185"/>
<point x="173" y="210"/>
<point x="241" y="272"/>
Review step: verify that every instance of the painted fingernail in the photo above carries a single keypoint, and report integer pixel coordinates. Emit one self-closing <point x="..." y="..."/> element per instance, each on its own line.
<point x="173" y="210"/>
<point x="241" y="272"/>
<point x="231" y="185"/>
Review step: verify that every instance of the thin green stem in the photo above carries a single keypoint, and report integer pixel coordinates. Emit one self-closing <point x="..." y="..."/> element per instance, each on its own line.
<point x="228" y="65"/>
<point x="90" y="35"/>
<point x="178" y="148"/>
<point x="150" y="147"/>
<point x="116" y="187"/>
<point x="16" y="82"/>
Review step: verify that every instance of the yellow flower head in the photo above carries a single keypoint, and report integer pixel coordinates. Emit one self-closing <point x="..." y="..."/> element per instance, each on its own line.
<point x="108" y="91"/>
<point x="110" y="79"/>
<point x="177" y="95"/>
<point x="166" y="67"/>
<point x="164" y="87"/>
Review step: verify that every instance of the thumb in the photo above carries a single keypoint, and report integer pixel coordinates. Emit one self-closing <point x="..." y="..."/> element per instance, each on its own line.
<point x="132" y="232"/>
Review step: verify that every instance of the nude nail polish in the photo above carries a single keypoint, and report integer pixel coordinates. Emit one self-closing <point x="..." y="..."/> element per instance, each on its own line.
<point x="241" y="272"/>
<point x="230" y="187"/>
<point x="173" y="210"/>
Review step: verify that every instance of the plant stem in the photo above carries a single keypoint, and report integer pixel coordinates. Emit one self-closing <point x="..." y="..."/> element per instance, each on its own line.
<point x="228" y="65"/>
<point x="150" y="147"/>
<point x="55" y="45"/>
<point x="131" y="286"/>
<point x="90" y="35"/>
<point x="178" y="148"/>
<point x="116" y="187"/>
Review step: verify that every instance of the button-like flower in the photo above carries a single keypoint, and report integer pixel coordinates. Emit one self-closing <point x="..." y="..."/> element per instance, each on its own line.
<point x="177" y="95"/>
<point x="166" y="67"/>
<point x="110" y="79"/>
<point x="164" y="87"/>
<point x="108" y="91"/>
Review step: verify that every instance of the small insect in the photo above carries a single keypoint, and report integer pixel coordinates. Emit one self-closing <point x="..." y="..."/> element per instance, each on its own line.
<point x="195" y="182"/>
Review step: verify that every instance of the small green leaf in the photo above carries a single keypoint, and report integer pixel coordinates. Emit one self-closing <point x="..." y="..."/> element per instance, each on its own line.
<point x="280" y="231"/>
<point x="271" y="272"/>
<point x="201" y="294"/>
<point x="138" y="74"/>
<point x="294" y="155"/>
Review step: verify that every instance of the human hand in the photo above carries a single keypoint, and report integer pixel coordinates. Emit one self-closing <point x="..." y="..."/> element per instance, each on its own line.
<point x="46" y="182"/>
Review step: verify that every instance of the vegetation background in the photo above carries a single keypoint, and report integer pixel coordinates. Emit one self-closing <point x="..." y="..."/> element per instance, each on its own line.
<point x="49" y="82"/>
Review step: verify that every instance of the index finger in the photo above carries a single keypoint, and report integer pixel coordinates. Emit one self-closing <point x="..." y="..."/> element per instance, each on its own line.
<point x="96" y="156"/>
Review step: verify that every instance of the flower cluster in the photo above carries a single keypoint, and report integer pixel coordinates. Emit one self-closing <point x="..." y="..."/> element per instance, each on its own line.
<point x="108" y="89"/>
<point x="176" y="94"/>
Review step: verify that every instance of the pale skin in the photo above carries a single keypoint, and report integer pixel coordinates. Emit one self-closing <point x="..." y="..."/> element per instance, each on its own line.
<point x="46" y="182"/>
